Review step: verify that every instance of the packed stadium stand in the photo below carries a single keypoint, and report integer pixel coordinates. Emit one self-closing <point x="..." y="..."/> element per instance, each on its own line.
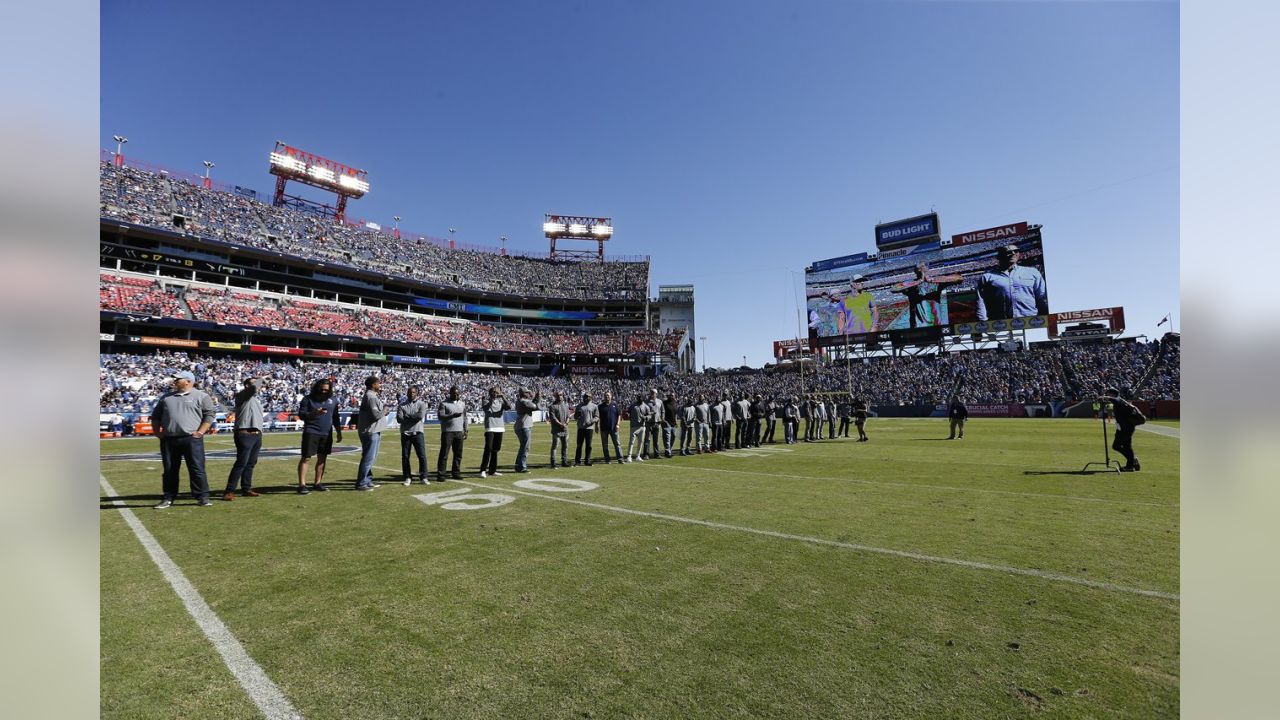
<point x="155" y="200"/>
<point x="1059" y="374"/>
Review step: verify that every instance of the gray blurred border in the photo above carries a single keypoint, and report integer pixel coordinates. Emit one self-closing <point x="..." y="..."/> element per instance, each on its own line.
<point x="48" y="359"/>
<point x="1230" y="478"/>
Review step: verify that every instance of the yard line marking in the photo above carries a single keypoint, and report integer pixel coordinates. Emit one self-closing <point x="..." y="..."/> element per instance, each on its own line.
<point x="971" y="564"/>
<point x="264" y="693"/>
<point x="1164" y="430"/>
<point x="932" y="487"/>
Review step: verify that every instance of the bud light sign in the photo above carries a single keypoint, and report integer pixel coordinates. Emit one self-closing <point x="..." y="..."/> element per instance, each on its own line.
<point x="912" y="231"/>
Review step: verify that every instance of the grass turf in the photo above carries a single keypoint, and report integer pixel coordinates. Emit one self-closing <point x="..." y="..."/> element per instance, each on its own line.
<point x="371" y="605"/>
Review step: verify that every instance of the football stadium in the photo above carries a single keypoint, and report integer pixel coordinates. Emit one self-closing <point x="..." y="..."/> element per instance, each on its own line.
<point x="350" y="470"/>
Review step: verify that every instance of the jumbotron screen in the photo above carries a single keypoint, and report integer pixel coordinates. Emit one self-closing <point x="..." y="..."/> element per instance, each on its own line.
<point x="993" y="274"/>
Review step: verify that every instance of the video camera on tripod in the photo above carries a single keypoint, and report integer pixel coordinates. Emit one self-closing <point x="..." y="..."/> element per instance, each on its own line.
<point x="1105" y="409"/>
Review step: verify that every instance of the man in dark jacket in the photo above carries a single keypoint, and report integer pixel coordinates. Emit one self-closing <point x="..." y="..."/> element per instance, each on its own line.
<point x="670" y="413"/>
<point x="1128" y="417"/>
<point x="610" y="416"/>
<point x="958" y="414"/>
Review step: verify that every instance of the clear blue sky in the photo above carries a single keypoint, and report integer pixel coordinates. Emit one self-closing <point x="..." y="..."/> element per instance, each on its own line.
<point x="733" y="142"/>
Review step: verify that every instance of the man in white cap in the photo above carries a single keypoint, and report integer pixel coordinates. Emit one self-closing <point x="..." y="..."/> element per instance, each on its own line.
<point x="181" y="417"/>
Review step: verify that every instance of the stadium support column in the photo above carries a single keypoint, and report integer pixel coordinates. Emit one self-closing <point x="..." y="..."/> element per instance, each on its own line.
<point x="278" y="200"/>
<point x="340" y="210"/>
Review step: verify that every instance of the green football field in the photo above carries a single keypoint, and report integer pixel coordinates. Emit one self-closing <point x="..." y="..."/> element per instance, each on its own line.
<point x="906" y="577"/>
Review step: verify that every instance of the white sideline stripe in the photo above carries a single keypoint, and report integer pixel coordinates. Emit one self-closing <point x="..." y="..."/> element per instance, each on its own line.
<point x="971" y="564"/>
<point x="1163" y="430"/>
<point x="264" y="693"/>
<point x="934" y="487"/>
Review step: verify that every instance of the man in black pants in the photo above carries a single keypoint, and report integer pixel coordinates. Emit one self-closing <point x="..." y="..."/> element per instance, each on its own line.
<point x="844" y="410"/>
<point x="587" y="414"/>
<point x="453" y="431"/>
<point x="248" y="438"/>
<point x="654" y="431"/>
<point x="409" y="414"/>
<point x="610" y="416"/>
<point x="756" y="414"/>
<point x="1128" y="417"/>
<point x="771" y="420"/>
<point x="181" y="417"/>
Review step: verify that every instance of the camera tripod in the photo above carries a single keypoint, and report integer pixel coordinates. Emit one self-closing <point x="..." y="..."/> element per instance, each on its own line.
<point x="1108" y="463"/>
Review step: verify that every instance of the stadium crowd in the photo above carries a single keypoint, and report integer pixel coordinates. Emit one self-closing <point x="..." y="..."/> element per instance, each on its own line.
<point x="123" y="293"/>
<point x="130" y="383"/>
<point x="159" y="201"/>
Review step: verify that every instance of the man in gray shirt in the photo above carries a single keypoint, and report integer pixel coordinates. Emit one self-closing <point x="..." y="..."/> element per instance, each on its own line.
<point x="409" y="415"/>
<point x="654" y="430"/>
<point x="526" y="406"/>
<point x="558" y="416"/>
<point x="369" y="426"/>
<point x="248" y="439"/>
<point x="587" y="414"/>
<point x="453" y="431"/>
<point x="181" y="417"/>
<point x="639" y="415"/>
<point x="703" y="412"/>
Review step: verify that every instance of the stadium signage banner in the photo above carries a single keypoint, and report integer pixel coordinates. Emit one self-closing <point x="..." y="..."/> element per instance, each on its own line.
<point x="916" y="336"/>
<point x="106" y="337"/>
<point x="411" y="359"/>
<point x="276" y="349"/>
<point x="995" y="233"/>
<point x="989" y="410"/>
<point x="1032" y="322"/>
<point x="1113" y="316"/>
<point x="922" y="228"/>
<point x="374" y="356"/>
<point x="504" y="312"/>
<point x="224" y="345"/>
<point x="781" y="348"/>
<point x="1084" y="334"/>
<point x="170" y="342"/>
<point x="339" y="354"/>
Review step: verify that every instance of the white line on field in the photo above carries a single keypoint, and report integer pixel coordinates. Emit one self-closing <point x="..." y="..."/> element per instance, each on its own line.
<point x="264" y="693"/>
<point x="1163" y="430"/>
<point x="971" y="564"/>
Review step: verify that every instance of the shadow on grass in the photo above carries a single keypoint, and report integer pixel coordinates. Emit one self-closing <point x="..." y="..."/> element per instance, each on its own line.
<point x="1070" y="472"/>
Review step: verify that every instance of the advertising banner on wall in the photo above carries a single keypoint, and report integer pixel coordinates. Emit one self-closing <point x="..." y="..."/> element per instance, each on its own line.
<point x="919" y="229"/>
<point x="169" y="342"/>
<point x="1113" y="316"/>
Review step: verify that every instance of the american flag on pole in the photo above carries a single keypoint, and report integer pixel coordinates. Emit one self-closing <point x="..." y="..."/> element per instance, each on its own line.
<point x="1165" y="320"/>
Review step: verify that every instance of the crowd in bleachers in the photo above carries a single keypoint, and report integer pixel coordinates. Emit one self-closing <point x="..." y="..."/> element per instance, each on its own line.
<point x="1063" y="373"/>
<point x="124" y="293"/>
<point x="154" y="200"/>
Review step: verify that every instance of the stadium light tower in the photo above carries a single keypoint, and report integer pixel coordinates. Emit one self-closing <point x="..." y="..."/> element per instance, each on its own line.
<point x="579" y="228"/>
<point x="397" y="219"/>
<point x="207" y="167"/>
<point x="503" y="240"/>
<point x="452" y="245"/>
<point x="290" y="163"/>
<point x="120" y="141"/>
<point x="703" y="340"/>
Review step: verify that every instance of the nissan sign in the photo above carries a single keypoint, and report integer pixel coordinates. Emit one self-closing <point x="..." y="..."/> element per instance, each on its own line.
<point x="1014" y="230"/>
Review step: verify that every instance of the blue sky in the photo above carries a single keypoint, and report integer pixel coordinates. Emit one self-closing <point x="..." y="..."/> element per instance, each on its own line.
<point x="733" y="142"/>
